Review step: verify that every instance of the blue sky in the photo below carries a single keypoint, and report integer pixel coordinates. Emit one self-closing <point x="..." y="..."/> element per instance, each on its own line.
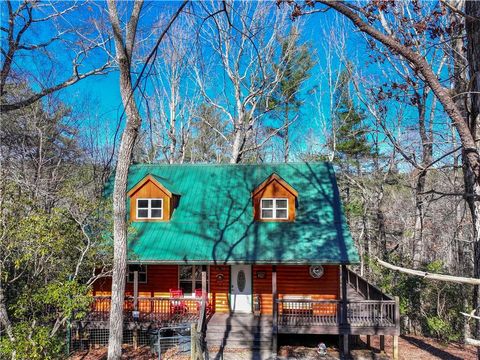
<point x="105" y="89"/>
<point x="104" y="103"/>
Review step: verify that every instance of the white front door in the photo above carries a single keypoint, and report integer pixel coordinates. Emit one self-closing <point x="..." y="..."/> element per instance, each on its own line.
<point x="241" y="288"/>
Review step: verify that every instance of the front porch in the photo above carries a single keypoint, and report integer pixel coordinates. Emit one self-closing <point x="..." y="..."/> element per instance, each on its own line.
<point x="361" y="309"/>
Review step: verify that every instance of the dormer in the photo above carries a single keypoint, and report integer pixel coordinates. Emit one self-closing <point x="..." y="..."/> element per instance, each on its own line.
<point x="274" y="200"/>
<point x="152" y="199"/>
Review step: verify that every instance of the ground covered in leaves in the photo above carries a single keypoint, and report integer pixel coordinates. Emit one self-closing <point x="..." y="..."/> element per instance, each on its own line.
<point x="411" y="347"/>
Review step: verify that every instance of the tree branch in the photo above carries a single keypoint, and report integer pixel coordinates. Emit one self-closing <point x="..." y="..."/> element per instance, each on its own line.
<point x="430" y="276"/>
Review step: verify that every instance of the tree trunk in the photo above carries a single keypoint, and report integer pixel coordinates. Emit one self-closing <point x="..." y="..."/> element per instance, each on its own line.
<point x="4" y="319"/>
<point x="123" y="50"/>
<point x="286" y="141"/>
<point x="236" y="157"/>
<point x="472" y="186"/>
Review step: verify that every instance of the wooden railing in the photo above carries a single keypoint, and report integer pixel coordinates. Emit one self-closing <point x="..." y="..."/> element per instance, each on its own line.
<point x="361" y="313"/>
<point x="364" y="288"/>
<point x="151" y="309"/>
<point x="308" y="312"/>
<point x="371" y="313"/>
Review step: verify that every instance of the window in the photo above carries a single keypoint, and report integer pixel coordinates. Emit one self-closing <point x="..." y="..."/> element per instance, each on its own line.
<point x="149" y="208"/>
<point x="190" y="278"/>
<point x="274" y="209"/>
<point x="142" y="273"/>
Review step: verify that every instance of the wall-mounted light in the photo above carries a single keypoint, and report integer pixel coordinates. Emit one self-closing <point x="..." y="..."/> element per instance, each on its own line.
<point x="261" y="274"/>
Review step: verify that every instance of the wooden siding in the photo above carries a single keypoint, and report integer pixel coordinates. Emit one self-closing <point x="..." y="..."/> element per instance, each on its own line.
<point x="295" y="281"/>
<point x="274" y="189"/>
<point x="160" y="279"/>
<point x="291" y="281"/>
<point x="150" y="190"/>
<point x="220" y="288"/>
<point x="263" y="287"/>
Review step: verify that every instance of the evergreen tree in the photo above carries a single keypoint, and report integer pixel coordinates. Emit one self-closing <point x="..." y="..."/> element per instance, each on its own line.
<point x="351" y="143"/>
<point x="296" y="62"/>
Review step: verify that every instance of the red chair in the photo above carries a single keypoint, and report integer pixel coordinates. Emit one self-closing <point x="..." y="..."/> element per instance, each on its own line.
<point x="198" y="295"/>
<point x="177" y="306"/>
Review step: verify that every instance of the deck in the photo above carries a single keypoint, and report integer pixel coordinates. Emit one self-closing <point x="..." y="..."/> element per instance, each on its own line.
<point x="151" y="313"/>
<point x="355" y="316"/>
<point x="364" y="310"/>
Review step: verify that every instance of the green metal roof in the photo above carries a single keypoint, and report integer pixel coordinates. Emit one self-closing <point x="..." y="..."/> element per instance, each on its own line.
<point x="214" y="223"/>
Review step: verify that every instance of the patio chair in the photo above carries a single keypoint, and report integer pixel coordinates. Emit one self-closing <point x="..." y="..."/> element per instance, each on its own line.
<point x="177" y="306"/>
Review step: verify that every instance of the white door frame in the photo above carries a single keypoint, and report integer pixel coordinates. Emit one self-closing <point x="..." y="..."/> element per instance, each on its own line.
<point x="241" y="301"/>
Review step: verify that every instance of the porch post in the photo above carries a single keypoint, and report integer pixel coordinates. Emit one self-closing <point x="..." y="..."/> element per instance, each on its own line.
<point x="395" y="347"/>
<point x="343" y="326"/>
<point x="382" y="344"/>
<point x="204" y="280"/>
<point x="275" y="312"/>
<point x="135" y="307"/>
<point x="203" y="306"/>
<point x="204" y="285"/>
<point x="135" y="290"/>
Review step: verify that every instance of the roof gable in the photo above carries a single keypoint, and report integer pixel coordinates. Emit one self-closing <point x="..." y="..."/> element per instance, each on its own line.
<point x="270" y="179"/>
<point x="155" y="180"/>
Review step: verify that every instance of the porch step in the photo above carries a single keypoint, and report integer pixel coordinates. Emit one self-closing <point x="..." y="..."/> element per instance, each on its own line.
<point x="240" y="344"/>
<point x="239" y="335"/>
<point x="245" y="320"/>
<point x="241" y="355"/>
<point x="242" y="330"/>
<point x="239" y="331"/>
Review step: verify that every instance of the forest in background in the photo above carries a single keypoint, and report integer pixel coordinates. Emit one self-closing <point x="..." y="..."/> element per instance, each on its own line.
<point x="238" y="82"/>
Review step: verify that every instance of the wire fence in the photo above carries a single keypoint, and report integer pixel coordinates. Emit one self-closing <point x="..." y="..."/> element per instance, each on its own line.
<point x="159" y="340"/>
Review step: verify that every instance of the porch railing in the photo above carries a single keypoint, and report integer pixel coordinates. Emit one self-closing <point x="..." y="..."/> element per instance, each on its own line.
<point x="149" y="309"/>
<point x="361" y="313"/>
<point x="308" y="312"/>
<point x="364" y="288"/>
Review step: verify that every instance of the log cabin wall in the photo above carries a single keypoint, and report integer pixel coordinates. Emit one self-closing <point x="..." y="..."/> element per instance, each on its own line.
<point x="291" y="280"/>
<point x="220" y="288"/>
<point x="160" y="279"/>
<point x="149" y="190"/>
<point x="295" y="281"/>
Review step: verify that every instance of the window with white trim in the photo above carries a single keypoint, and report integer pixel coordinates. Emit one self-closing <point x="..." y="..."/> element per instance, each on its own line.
<point x="275" y="208"/>
<point x="149" y="208"/>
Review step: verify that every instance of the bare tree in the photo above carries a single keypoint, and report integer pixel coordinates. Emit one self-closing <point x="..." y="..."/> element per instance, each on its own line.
<point x="20" y="40"/>
<point x="124" y="46"/>
<point x="176" y="96"/>
<point x="125" y="41"/>
<point x="372" y="21"/>
<point x="244" y="39"/>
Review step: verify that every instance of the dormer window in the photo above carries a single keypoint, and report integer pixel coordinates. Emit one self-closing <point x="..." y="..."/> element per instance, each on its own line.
<point x="152" y="199"/>
<point x="149" y="208"/>
<point x="274" y="200"/>
<point x="274" y="209"/>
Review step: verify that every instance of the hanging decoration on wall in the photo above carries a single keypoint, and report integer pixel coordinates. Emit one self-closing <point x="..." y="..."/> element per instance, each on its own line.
<point x="316" y="271"/>
<point x="261" y="274"/>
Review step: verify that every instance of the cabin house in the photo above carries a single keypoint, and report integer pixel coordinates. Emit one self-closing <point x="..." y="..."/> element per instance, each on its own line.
<point x="249" y="251"/>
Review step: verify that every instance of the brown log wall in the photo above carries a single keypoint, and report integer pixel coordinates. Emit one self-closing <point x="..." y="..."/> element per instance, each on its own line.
<point x="292" y="280"/>
<point x="296" y="281"/>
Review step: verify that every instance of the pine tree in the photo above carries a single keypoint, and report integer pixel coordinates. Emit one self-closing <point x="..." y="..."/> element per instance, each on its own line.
<point x="296" y="62"/>
<point x="351" y="142"/>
